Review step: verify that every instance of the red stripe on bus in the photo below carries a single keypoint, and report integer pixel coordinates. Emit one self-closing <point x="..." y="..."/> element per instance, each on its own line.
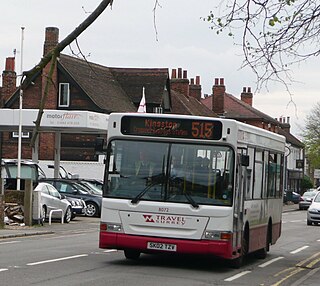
<point x="221" y="249"/>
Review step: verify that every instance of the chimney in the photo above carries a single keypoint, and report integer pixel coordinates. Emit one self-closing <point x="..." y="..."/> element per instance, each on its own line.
<point x="50" y="42"/>
<point x="286" y="125"/>
<point x="51" y="39"/>
<point x="218" y="94"/>
<point x="195" y="88"/>
<point x="246" y="95"/>
<point x="9" y="80"/>
<point x="180" y="84"/>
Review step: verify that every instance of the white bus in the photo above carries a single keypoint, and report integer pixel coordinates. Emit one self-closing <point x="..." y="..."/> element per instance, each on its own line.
<point x="190" y="184"/>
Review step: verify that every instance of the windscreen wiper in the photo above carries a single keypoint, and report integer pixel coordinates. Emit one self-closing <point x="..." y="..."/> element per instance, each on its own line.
<point x="186" y="194"/>
<point x="191" y="200"/>
<point x="157" y="179"/>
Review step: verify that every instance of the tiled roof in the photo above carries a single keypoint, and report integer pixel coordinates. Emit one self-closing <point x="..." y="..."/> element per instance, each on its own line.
<point x="132" y="81"/>
<point x="116" y="89"/>
<point x="189" y="105"/>
<point x="238" y="109"/>
<point x="291" y="139"/>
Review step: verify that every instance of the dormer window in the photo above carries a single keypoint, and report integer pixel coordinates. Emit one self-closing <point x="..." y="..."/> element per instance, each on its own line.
<point x="64" y="95"/>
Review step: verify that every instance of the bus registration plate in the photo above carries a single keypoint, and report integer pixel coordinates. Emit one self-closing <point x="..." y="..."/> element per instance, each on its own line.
<point x="162" y="246"/>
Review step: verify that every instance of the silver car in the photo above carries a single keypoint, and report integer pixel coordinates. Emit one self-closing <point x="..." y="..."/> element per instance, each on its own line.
<point x="313" y="214"/>
<point x="51" y="199"/>
<point x="306" y="199"/>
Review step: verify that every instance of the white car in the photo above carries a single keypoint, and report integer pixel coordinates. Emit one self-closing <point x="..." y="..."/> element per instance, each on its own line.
<point x="313" y="214"/>
<point x="51" y="199"/>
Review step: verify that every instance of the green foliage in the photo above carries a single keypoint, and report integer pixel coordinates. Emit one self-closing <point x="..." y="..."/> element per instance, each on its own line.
<point x="312" y="137"/>
<point x="306" y="183"/>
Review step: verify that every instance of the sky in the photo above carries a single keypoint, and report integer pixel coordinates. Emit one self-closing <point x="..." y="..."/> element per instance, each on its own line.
<point x="125" y="36"/>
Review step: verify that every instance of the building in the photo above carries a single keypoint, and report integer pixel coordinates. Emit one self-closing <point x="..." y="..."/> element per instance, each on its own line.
<point x="81" y="85"/>
<point x="228" y="106"/>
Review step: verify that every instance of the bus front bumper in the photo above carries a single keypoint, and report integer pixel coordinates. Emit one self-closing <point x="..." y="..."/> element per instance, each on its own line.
<point x="120" y="241"/>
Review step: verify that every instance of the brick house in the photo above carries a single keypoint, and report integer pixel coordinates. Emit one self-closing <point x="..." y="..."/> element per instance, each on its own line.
<point x="228" y="106"/>
<point x="81" y="85"/>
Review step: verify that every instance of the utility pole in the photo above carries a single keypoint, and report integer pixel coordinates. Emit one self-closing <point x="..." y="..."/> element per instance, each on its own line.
<point x="20" y="113"/>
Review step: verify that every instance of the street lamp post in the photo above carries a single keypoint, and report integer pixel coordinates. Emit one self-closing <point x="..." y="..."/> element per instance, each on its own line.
<point x="20" y="113"/>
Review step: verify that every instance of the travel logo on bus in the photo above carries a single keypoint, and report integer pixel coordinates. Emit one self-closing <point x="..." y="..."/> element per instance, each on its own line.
<point x="164" y="219"/>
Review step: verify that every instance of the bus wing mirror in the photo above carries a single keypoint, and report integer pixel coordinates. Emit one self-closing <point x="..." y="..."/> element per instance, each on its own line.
<point x="244" y="160"/>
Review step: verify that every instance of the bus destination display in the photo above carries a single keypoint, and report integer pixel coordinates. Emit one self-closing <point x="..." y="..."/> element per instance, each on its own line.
<point x="171" y="127"/>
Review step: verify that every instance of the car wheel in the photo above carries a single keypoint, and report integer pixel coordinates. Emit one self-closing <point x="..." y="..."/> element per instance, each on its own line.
<point x="92" y="209"/>
<point x="43" y="214"/>
<point x="309" y="222"/>
<point x="131" y="254"/>
<point x="68" y="215"/>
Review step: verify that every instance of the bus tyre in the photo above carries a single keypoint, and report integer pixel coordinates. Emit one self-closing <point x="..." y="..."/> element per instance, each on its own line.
<point x="131" y="254"/>
<point x="262" y="253"/>
<point x="239" y="261"/>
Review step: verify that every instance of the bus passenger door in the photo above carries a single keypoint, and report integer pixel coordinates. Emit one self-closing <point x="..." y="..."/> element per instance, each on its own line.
<point x="241" y="182"/>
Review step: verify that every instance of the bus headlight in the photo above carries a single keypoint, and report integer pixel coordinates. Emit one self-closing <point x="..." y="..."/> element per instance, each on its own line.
<point x="217" y="235"/>
<point x="110" y="227"/>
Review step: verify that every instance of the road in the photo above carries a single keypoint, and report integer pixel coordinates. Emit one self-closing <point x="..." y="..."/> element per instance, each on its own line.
<point x="72" y="257"/>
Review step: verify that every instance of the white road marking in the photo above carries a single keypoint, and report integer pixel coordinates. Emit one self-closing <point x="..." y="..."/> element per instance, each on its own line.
<point x="3" y="269"/>
<point x="9" y="242"/>
<point x="57" y="259"/>
<point x="64" y="236"/>
<point x="110" y="250"/>
<point x="270" y="261"/>
<point x="299" y="249"/>
<point x="318" y="240"/>
<point x="296" y="220"/>
<point x="237" y="276"/>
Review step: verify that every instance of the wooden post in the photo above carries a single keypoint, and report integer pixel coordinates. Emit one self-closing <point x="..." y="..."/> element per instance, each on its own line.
<point x="28" y="190"/>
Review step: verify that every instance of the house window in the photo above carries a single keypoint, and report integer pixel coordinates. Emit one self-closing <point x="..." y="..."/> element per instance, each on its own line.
<point x="64" y="94"/>
<point x="23" y="134"/>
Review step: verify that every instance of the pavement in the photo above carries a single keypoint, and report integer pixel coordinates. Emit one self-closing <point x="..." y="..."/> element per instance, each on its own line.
<point x="78" y="224"/>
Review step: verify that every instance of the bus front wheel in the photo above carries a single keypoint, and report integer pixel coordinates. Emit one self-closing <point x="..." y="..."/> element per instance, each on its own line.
<point x="238" y="262"/>
<point x="131" y="254"/>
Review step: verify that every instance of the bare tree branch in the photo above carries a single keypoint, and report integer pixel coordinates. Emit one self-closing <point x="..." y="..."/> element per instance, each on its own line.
<point x="275" y="34"/>
<point x="52" y="55"/>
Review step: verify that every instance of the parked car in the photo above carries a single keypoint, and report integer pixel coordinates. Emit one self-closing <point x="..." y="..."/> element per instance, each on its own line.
<point x="78" y="206"/>
<point x="97" y="183"/>
<point x="313" y="213"/>
<point x="90" y="186"/>
<point x="51" y="199"/>
<point x="71" y="188"/>
<point x="294" y="197"/>
<point x="306" y="199"/>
